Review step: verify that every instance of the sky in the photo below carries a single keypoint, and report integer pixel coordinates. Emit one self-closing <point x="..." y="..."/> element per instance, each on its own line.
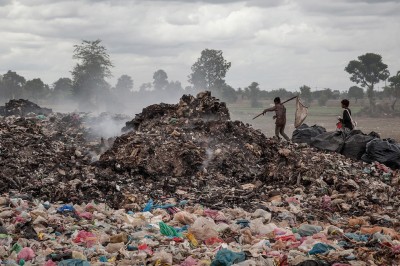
<point x="277" y="43"/>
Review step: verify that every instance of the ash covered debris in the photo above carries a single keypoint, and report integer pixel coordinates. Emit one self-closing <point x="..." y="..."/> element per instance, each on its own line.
<point x="190" y="150"/>
<point x="48" y="159"/>
<point x="22" y="107"/>
<point x="192" y="146"/>
<point x="204" y="106"/>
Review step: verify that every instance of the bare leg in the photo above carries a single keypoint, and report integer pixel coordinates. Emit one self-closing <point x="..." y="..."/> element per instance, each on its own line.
<point x="277" y="129"/>
<point x="282" y="131"/>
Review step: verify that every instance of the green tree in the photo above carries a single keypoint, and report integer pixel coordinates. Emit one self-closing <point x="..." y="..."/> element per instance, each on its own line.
<point x="88" y="76"/>
<point x="62" y="88"/>
<point x="160" y="80"/>
<point x="395" y="87"/>
<point x="227" y="93"/>
<point x="254" y="94"/>
<point x="174" y="86"/>
<point x="367" y="71"/>
<point x="36" y="89"/>
<point x="209" y="70"/>
<point x="356" y="92"/>
<point x="13" y="85"/>
<point x="124" y="85"/>
<point x="145" y="87"/>
<point x="323" y="96"/>
<point x="305" y="93"/>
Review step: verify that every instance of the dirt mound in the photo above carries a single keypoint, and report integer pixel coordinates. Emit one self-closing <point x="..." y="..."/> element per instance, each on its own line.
<point x="22" y="107"/>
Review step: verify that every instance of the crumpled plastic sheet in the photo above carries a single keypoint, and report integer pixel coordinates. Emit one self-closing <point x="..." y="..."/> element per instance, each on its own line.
<point x="226" y="257"/>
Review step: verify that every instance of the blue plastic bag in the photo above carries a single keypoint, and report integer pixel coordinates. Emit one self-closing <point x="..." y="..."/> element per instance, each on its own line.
<point x="320" y="248"/>
<point x="66" y="208"/>
<point x="73" y="262"/>
<point x="149" y="206"/>
<point x="225" y="257"/>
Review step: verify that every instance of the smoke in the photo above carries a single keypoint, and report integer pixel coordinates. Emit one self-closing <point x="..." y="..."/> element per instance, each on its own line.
<point x="210" y="156"/>
<point x="106" y="125"/>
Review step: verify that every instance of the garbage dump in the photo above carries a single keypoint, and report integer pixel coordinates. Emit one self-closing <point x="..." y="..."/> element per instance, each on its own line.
<point x="184" y="185"/>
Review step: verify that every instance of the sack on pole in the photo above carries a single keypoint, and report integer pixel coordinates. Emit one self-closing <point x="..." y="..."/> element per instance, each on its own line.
<point x="301" y="113"/>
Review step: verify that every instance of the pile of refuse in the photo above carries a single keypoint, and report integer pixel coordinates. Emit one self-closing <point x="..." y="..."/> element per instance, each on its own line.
<point x="51" y="158"/>
<point x="178" y="233"/>
<point x="22" y="107"/>
<point x="191" y="148"/>
<point x="185" y="185"/>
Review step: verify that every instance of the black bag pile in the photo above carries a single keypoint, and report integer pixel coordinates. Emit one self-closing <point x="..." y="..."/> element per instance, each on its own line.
<point x="385" y="151"/>
<point x="304" y="133"/>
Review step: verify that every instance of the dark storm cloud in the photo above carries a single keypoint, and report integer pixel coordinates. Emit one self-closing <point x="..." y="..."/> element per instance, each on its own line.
<point x="5" y="2"/>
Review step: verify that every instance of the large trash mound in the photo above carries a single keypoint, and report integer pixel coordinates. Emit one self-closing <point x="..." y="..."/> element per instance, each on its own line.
<point x="191" y="145"/>
<point x="48" y="158"/>
<point x="187" y="188"/>
<point x="22" y="107"/>
<point x="204" y="107"/>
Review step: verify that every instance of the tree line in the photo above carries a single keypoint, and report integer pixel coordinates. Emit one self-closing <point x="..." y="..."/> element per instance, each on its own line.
<point x="89" y="88"/>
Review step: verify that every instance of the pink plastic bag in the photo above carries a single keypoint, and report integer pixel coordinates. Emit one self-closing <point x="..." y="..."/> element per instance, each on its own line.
<point x="26" y="254"/>
<point x="50" y="263"/>
<point x="85" y="237"/>
<point x="189" y="261"/>
<point x="86" y="215"/>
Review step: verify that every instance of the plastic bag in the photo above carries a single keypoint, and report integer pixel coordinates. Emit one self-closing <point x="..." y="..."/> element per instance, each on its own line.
<point x="385" y="151"/>
<point x="355" y="144"/>
<point x="304" y="133"/>
<point x="149" y="206"/>
<point x="189" y="261"/>
<point x="184" y="217"/>
<point x="168" y="230"/>
<point x="203" y="229"/>
<point x="309" y="229"/>
<point x="225" y="257"/>
<point x="73" y="262"/>
<point x="85" y="237"/>
<point x="329" y="141"/>
<point x="213" y="240"/>
<point x="26" y="254"/>
<point x="66" y="208"/>
<point x="320" y="248"/>
<point x="301" y="113"/>
<point x="257" y="227"/>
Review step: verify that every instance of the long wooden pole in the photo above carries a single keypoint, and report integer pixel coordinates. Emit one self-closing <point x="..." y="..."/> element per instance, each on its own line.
<point x="282" y="103"/>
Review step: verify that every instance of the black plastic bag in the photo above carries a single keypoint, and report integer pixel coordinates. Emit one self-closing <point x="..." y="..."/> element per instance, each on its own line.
<point x="385" y="151"/>
<point x="329" y="141"/>
<point x="304" y="133"/>
<point x="356" y="142"/>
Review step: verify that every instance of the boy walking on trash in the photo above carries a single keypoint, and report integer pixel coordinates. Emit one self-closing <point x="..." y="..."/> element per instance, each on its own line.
<point x="280" y="116"/>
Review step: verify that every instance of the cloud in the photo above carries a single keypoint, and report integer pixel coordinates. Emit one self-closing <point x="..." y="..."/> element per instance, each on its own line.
<point x="277" y="43"/>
